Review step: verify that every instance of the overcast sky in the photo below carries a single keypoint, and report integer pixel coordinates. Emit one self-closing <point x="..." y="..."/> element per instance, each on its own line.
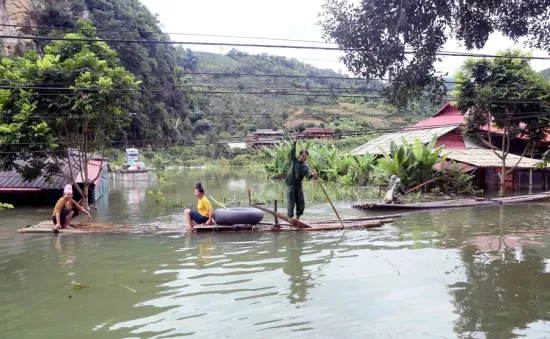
<point x="284" y="19"/>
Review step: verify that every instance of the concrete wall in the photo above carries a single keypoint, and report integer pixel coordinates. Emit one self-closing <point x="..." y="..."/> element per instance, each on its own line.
<point x="139" y="175"/>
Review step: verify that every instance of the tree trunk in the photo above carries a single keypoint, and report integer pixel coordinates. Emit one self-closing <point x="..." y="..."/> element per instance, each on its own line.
<point x="85" y="195"/>
<point x="503" y="178"/>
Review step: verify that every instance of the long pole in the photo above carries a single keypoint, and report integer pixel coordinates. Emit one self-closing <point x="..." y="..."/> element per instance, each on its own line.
<point x="321" y="185"/>
<point x="424" y="184"/>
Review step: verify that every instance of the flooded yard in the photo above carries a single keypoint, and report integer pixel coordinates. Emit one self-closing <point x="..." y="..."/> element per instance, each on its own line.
<point x="469" y="273"/>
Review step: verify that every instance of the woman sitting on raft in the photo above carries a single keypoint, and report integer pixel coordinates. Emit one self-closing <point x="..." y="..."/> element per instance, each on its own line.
<point x="203" y="215"/>
<point x="66" y="209"/>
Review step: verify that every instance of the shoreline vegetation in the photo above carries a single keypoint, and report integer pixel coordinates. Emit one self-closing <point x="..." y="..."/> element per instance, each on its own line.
<point x="346" y="177"/>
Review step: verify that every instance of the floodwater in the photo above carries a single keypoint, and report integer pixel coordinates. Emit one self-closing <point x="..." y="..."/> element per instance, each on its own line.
<point x="467" y="273"/>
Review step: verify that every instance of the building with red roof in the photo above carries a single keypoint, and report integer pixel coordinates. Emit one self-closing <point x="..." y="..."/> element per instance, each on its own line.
<point x="447" y="125"/>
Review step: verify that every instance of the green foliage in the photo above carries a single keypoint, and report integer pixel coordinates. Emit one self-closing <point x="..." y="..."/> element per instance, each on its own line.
<point x="178" y="204"/>
<point x="5" y="206"/>
<point x="506" y="93"/>
<point x="411" y="163"/>
<point x="158" y="196"/>
<point x="78" y="286"/>
<point x="158" y="115"/>
<point x="331" y="164"/>
<point x="159" y="163"/>
<point x="453" y="181"/>
<point x="375" y="34"/>
<point x="81" y="118"/>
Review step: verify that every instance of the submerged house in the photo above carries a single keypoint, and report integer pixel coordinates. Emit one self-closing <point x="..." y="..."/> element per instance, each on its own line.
<point x="45" y="192"/>
<point x="447" y="126"/>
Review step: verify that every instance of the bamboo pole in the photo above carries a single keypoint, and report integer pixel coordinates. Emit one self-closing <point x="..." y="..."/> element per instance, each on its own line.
<point x="330" y="201"/>
<point x="217" y="202"/>
<point x="417" y="187"/>
<point x="320" y="184"/>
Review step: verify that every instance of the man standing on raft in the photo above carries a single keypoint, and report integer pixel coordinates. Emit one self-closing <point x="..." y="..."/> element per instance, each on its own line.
<point x="298" y="170"/>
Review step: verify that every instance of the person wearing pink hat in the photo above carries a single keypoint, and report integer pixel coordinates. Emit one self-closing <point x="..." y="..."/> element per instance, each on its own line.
<point x="66" y="209"/>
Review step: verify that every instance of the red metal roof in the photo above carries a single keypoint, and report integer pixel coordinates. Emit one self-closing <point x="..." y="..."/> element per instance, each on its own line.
<point x="446" y="116"/>
<point x="521" y="125"/>
<point x="463" y="167"/>
<point x="451" y="140"/>
<point x="94" y="170"/>
<point x="317" y="130"/>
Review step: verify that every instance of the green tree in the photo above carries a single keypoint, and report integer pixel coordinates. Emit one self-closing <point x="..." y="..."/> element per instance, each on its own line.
<point x="63" y="107"/>
<point x="504" y="93"/>
<point x="402" y="38"/>
<point x="154" y="64"/>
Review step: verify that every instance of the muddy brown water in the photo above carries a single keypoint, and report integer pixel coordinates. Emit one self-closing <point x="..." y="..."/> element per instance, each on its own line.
<point x="468" y="273"/>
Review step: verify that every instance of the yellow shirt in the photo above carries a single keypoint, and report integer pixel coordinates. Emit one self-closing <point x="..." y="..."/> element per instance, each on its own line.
<point x="63" y="204"/>
<point x="204" y="206"/>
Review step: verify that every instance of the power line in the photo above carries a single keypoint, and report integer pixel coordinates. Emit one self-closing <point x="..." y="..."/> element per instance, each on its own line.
<point x="227" y="44"/>
<point x="166" y="33"/>
<point x="407" y="50"/>
<point x="226" y="139"/>
<point x="275" y="93"/>
<point x="238" y="75"/>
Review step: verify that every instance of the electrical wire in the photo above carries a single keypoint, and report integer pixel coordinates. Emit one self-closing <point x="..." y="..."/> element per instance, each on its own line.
<point x="407" y="50"/>
<point x="226" y="139"/>
<point x="227" y="44"/>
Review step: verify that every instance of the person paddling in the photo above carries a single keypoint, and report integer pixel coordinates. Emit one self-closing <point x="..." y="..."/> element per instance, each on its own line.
<point x="298" y="170"/>
<point x="203" y="214"/>
<point x="66" y="209"/>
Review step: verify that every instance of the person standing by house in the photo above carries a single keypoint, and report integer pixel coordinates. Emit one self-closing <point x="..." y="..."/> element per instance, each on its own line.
<point x="298" y="170"/>
<point x="66" y="209"/>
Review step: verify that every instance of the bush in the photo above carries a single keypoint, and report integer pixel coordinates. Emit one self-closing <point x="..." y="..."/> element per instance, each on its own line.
<point x="454" y="181"/>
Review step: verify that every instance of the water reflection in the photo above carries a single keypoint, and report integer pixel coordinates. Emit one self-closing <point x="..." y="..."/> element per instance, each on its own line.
<point x="504" y="290"/>
<point x="457" y="273"/>
<point x="298" y="277"/>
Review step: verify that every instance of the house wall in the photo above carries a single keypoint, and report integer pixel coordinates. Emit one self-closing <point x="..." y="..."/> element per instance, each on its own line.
<point x="538" y="179"/>
<point x="44" y="198"/>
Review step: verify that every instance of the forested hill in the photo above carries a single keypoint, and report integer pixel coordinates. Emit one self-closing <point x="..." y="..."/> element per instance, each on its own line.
<point x="190" y="95"/>
<point x="264" y="91"/>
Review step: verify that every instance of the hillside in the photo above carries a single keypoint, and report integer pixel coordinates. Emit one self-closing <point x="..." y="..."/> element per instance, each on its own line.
<point x="545" y="73"/>
<point x="191" y="95"/>
<point x="300" y="93"/>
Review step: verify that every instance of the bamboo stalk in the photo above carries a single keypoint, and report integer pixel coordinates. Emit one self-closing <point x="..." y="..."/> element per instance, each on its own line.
<point x="330" y="201"/>
<point x="217" y="202"/>
<point x="417" y="187"/>
<point x="320" y="184"/>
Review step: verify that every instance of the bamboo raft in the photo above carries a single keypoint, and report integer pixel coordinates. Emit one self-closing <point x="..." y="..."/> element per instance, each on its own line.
<point x="460" y="203"/>
<point x="287" y="225"/>
<point x="104" y="228"/>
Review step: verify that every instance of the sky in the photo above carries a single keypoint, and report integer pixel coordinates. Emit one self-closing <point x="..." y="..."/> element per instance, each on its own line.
<point x="282" y="19"/>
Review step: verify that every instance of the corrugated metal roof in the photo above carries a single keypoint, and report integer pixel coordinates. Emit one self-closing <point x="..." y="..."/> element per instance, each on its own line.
<point x="447" y="115"/>
<point x="463" y="167"/>
<point x="451" y="140"/>
<point x="13" y="180"/>
<point x="381" y="144"/>
<point x="488" y="159"/>
<point x="268" y="131"/>
<point x="317" y="130"/>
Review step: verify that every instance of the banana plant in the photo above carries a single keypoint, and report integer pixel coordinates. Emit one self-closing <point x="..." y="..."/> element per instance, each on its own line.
<point x="361" y="168"/>
<point x="412" y="163"/>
